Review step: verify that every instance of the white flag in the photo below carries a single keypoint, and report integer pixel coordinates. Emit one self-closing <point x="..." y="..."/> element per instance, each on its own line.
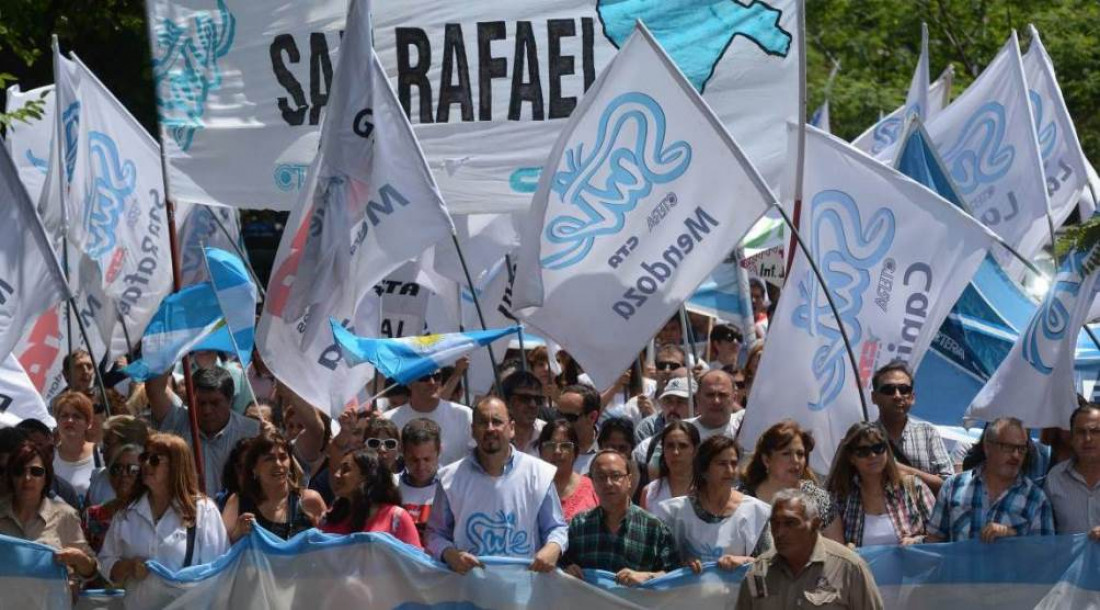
<point x="117" y="217"/>
<point x="644" y="193"/>
<point x="484" y="239"/>
<point x="988" y="144"/>
<point x="43" y="347"/>
<point x="198" y="225"/>
<point x="869" y="228"/>
<point x="881" y="136"/>
<point x="29" y="141"/>
<point x="18" y="396"/>
<point x="820" y="118"/>
<point x="916" y="100"/>
<point x="1035" y="381"/>
<point x="30" y="277"/>
<point x="1063" y="159"/>
<point x="372" y="204"/>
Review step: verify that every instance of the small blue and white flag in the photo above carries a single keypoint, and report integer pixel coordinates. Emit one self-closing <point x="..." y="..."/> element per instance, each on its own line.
<point x="410" y="358"/>
<point x="236" y="294"/>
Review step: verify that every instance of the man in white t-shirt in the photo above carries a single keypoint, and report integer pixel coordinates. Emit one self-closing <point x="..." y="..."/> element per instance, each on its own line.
<point x="420" y="446"/>
<point x="453" y="418"/>
<point x="718" y="405"/>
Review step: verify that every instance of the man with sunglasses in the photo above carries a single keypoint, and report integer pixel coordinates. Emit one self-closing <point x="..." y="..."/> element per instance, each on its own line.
<point x="994" y="500"/>
<point x="580" y="405"/>
<point x="453" y="419"/>
<point x="917" y="445"/>
<point x="524" y="397"/>
<point x="1073" y="485"/>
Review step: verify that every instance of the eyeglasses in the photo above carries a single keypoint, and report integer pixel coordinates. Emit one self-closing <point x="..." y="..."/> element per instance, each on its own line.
<point x="389" y="444"/>
<point x="563" y="446"/>
<point x="668" y="366"/>
<point x="1011" y="447"/>
<point x="436" y="376"/>
<point x="890" y="388"/>
<point x="531" y="399"/>
<point x="569" y="417"/>
<point x="864" y="451"/>
<point x="610" y="477"/>
<point x="153" y="459"/>
<point x="35" y="471"/>
<point x="130" y="470"/>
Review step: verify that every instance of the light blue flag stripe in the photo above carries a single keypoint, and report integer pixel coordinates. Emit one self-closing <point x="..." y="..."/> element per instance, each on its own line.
<point x="920" y="161"/>
<point x="236" y="293"/>
<point x="410" y="358"/>
<point x="181" y="322"/>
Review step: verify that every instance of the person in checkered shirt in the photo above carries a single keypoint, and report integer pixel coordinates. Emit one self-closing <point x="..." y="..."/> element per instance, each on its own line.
<point x="917" y="446"/>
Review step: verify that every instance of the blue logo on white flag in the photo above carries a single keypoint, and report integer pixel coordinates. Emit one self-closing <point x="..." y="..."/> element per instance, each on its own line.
<point x="1047" y="134"/>
<point x="496" y="534"/>
<point x="1051" y="321"/>
<point x="38" y="162"/>
<point x="979" y="156"/>
<point x="846" y="268"/>
<point x="627" y="159"/>
<point x="113" y="181"/>
<point x="71" y="121"/>
<point x="886" y="132"/>
<point x="185" y="68"/>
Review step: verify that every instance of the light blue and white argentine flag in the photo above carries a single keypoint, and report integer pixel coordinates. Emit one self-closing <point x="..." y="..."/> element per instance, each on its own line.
<point x="183" y="321"/>
<point x="410" y="358"/>
<point x="236" y="295"/>
<point x="868" y="228"/>
<point x="643" y="195"/>
<point x="30" y="577"/>
<point x="1035" y="382"/>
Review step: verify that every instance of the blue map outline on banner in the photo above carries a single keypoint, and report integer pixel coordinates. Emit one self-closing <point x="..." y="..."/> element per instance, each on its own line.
<point x="185" y="69"/>
<point x="496" y="534"/>
<point x="846" y="271"/>
<point x="1046" y="134"/>
<point x="629" y="172"/>
<point x="1052" y="318"/>
<point x="974" y="163"/>
<point x="673" y="21"/>
<point x="113" y="181"/>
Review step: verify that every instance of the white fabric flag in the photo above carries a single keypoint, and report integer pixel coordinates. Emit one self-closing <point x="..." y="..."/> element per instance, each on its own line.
<point x="1035" y="381"/>
<point x="882" y="135"/>
<point x="1063" y="159"/>
<point x="19" y="396"/>
<point x="820" y="118"/>
<point x="372" y="204"/>
<point x="490" y="84"/>
<point x="43" y="347"/>
<point x="117" y="217"/>
<point x="30" y="276"/>
<point x="916" y="100"/>
<point x="240" y="88"/>
<point x="868" y="227"/>
<point x="198" y="225"/>
<point x="484" y="239"/>
<point x="29" y="141"/>
<point x="644" y="194"/>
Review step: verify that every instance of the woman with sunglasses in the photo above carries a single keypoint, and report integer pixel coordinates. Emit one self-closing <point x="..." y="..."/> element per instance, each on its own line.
<point x="368" y="500"/>
<point x="30" y="514"/>
<point x="382" y="437"/>
<point x="122" y="473"/>
<point x="678" y="442"/>
<point x="716" y="522"/>
<point x="166" y="518"/>
<point x="782" y="461"/>
<point x="75" y="458"/>
<point x="878" y="505"/>
<point x="558" y="446"/>
<point x="271" y="493"/>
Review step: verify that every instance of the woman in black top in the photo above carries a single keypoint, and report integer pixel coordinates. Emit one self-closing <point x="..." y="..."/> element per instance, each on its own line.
<point x="272" y="495"/>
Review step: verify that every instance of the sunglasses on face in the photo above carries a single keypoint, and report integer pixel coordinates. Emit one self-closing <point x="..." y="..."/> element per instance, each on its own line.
<point x="531" y="399"/>
<point x="668" y="366"/>
<point x="35" y="471"/>
<point x="569" y="417"/>
<point x="436" y="377"/>
<point x="130" y="470"/>
<point x="890" y="388"/>
<point x="863" y="451"/>
<point x="153" y="459"/>
<point x="389" y="444"/>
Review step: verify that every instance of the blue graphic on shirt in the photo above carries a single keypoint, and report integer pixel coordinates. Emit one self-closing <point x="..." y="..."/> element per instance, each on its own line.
<point x="979" y="155"/>
<point x="496" y="534"/>
<point x="597" y="191"/>
<point x="696" y="33"/>
<point x="113" y="181"/>
<point x="186" y="71"/>
<point x="846" y="250"/>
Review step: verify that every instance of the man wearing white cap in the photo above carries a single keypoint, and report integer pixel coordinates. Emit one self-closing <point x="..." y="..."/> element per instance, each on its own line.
<point x="674" y="401"/>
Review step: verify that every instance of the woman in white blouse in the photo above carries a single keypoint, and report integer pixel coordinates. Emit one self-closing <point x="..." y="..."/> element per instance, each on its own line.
<point x="75" y="457"/>
<point x="167" y="519"/>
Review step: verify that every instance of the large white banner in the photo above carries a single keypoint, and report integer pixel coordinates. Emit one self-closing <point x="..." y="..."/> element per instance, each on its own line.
<point x="1063" y="159"/>
<point x="1035" y="381"/>
<point x="987" y="140"/>
<point x="117" y="220"/>
<point x="869" y="229"/>
<point x="644" y="193"/>
<point x="241" y="87"/>
<point x="29" y="141"/>
<point x="489" y="84"/>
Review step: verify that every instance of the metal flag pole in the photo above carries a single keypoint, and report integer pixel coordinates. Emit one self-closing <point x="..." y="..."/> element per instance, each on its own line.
<point x="240" y="254"/>
<point x="832" y="306"/>
<point x="462" y="329"/>
<point x="800" y="159"/>
<point x="477" y="306"/>
<point x="511" y="282"/>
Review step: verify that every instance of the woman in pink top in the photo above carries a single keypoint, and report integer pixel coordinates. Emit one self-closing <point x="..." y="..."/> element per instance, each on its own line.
<point x="558" y="445"/>
<point x="367" y="500"/>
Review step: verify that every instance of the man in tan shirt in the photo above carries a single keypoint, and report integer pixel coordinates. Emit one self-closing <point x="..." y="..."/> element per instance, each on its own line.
<point x="806" y="570"/>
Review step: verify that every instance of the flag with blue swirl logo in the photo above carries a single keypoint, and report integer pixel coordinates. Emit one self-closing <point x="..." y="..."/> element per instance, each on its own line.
<point x="1036" y="381"/>
<point x="29" y="141"/>
<point x="868" y="228"/>
<point x="643" y="195"/>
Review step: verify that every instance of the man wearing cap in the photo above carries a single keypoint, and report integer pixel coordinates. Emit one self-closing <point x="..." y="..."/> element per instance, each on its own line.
<point x="674" y="401"/>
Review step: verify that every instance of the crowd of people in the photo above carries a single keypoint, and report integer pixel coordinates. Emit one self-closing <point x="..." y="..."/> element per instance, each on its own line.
<point x="640" y="479"/>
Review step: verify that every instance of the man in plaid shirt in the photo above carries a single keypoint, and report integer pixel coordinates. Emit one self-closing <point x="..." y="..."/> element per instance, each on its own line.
<point x="917" y="445"/>
<point x="994" y="500"/>
<point x="617" y="536"/>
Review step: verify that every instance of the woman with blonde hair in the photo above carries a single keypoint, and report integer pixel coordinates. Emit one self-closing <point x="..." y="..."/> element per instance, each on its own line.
<point x="782" y="461"/>
<point x="272" y="495"/>
<point x="167" y="518"/>
<point x="877" y="504"/>
<point x="75" y="459"/>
